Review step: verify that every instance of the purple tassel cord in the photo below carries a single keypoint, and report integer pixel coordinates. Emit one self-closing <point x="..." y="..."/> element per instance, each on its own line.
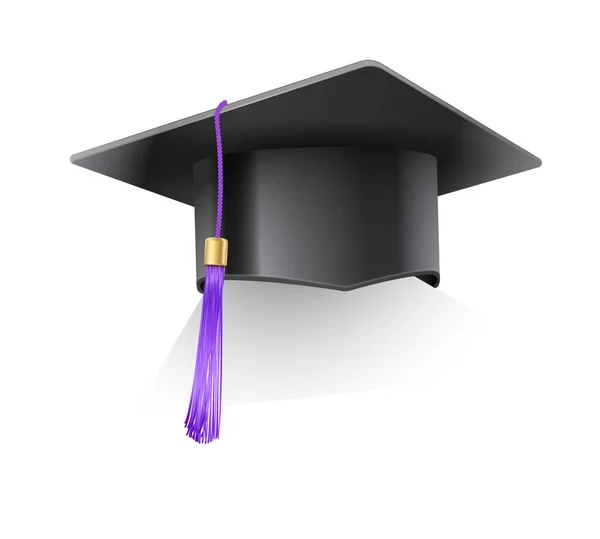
<point x="203" y="421"/>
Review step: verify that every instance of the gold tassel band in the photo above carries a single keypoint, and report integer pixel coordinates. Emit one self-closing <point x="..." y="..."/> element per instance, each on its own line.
<point x="215" y="252"/>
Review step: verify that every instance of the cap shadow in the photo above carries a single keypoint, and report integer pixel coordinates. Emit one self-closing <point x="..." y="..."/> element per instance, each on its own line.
<point x="285" y="342"/>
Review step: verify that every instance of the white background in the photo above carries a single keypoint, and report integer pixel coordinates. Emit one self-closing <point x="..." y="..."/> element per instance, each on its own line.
<point x="397" y="411"/>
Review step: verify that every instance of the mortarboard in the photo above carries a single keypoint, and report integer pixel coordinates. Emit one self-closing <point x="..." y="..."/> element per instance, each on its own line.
<point x="331" y="182"/>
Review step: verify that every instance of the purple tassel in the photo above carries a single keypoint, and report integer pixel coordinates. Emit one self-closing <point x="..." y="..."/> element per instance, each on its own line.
<point x="203" y="419"/>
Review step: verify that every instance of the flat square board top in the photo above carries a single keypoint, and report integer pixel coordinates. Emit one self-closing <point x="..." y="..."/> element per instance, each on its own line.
<point x="364" y="104"/>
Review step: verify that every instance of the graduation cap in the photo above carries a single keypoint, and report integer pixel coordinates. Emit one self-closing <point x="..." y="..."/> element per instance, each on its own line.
<point x="331" y="182"/>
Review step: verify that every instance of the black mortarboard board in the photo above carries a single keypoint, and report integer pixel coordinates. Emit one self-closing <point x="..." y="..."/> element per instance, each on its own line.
<point x="331" y="181"/>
